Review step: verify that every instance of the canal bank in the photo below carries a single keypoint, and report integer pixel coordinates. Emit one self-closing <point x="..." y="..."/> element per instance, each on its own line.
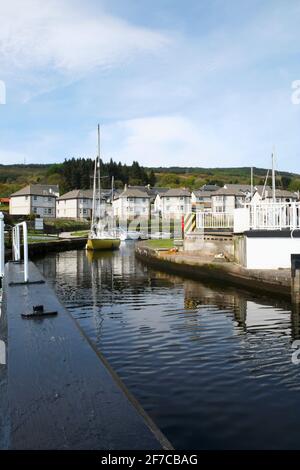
<point x="51" y="246"/>
<point x="58" y="391"/>
<point x="196" y="265"/>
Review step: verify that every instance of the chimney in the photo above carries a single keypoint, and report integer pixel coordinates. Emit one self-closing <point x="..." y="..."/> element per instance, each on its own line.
<point x="125" y="187"/>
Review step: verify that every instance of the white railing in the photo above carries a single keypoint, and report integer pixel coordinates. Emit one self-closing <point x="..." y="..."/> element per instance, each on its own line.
<point x="16" y="244"/>
<point x="274" y="216"/>
<point x="214" y="220"/>
<point x="2" y="246"/>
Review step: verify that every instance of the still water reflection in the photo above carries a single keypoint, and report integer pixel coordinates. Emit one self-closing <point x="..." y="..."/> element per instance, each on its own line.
<point x="212" y="366"/>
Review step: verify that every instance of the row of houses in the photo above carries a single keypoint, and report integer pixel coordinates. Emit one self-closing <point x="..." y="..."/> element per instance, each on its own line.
<point x="141" y="201"/>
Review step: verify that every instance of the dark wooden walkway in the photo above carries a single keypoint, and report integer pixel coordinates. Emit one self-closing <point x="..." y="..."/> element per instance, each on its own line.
<point x="62" y="393"/>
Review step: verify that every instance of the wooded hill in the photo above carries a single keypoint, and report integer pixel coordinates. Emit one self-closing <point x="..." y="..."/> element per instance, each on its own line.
<point x="77" y="173"/>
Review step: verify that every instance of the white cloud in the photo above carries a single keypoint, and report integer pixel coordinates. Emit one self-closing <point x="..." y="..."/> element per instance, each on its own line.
<point x="160" y="141"/>
<point x="43" y="39"/>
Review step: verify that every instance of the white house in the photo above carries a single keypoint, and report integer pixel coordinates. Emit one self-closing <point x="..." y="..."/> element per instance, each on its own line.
<point x="173" y="203"/>
<point x="226" y="200"/>
<point x="156" y="198"/>
<point x="132" y="203"/>
<point x="35" y="199"/>
<point x="201" y="199"/>
<point x="78" y="204"/>
<point x="265" y="194"/>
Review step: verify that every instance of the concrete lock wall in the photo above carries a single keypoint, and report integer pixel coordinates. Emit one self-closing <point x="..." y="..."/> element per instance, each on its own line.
<point x="240" y="254"/>
<point x="270" y="252"/>
<point x="210" y="244"/>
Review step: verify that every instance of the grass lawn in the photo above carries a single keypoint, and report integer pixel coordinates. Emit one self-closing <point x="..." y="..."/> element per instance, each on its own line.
<point x="156" y="244"/>
<point x="40" y="238"/>
<point x="67" y="225"/>
<point x="83" y="233"/>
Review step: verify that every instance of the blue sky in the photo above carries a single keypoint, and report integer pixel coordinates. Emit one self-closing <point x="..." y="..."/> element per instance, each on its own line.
<point x="172" y="82"/>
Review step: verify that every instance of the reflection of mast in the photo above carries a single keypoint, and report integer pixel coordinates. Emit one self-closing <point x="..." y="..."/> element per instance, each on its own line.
<point x="295" y="321"/>
<point x="99" y="173"/>
<point x="96" y="283"/>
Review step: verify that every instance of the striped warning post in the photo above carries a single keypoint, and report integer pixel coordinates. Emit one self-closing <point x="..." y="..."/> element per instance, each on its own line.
<point x="189" y="222"/>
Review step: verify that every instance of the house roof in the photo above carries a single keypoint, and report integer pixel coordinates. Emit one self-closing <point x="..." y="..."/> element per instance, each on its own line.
<point x="201" y="193"/>
<point x="176" y="192"/>
<point x="282" y="193"/>
<point x="156" y="190"/>
<point x="210" y="187"/>
<point x="38" y="190"/>
<point x="133" y="192"/>
<point x="260" y="189"/>
<point x="84" y="194"/>
<point x="279" y="192"/>
<point x="77" y="194"/>
<point x="228" y="192"/>
<point x="244" y="188"/>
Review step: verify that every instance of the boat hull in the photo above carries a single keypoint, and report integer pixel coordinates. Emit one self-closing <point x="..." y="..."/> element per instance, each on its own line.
<point x="97" y="244"/>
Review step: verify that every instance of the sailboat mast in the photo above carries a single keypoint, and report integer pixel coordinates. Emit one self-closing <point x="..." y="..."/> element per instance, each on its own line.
<point x="94" y="194"/>
<point x="112" y="200"/>
<point x="99" y="173"/>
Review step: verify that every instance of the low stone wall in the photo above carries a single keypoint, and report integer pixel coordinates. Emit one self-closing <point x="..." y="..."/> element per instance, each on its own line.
<point x="210" y="244"/>
<point x="195" y="266"/>
<point x="41" y="248"/>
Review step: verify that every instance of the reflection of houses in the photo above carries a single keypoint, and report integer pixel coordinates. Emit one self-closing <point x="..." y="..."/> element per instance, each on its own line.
<point x="174" y="203"/>
<point x="35" y="199"/>
<point x="132" y="203"/>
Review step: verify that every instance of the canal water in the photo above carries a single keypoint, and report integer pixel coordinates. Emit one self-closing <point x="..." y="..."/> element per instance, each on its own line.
<point x="211" y="365"/>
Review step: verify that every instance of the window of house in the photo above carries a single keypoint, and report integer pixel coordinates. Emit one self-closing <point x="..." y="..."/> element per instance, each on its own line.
<point x="35" y="210"/>
<point x="49" y="199"/>
<point x="35" y="198"/>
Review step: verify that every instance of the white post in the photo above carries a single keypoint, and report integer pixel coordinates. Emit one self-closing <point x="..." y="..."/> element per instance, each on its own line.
<point x="294" y="223"/>
<point x="2" y="245"/>
<point x="273" y="178"/>
<point x="16" y="241"/>
<point x="25" y="244"/>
